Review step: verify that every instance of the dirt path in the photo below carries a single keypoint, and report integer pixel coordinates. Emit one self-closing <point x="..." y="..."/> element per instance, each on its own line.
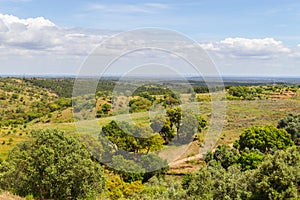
<point x="191" y="158"/>
<point x="184" y="160"/>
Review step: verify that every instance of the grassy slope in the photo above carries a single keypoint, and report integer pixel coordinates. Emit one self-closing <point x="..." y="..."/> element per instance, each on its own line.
<point x="28" y="95"/>
<point x="239" y="115"/>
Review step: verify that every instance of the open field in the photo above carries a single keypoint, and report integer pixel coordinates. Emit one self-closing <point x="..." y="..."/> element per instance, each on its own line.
<point x="239" y="115"/>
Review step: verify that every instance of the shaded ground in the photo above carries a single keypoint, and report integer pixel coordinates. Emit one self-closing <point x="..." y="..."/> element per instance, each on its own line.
<point x="9" y="196"/>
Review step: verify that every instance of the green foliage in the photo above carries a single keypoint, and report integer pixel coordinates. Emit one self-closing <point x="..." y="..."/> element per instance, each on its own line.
<point x="132" y="138"/>
<point x="152" y="89"/>
<point x="201" y="89"/>
<point x="139" y="105"/>
<point x="160" y="189"/>
<point x="146" y="95"/>
<point x="129" y="170"/>
<point x="278" y="176"/>
<point x="138" y="168"/>
<point x="171" y="100"/>
<point x="153" y="165"/>
<point x="188" y="127"/>
<point x="217" y="183"/>
<point x="117" y="188"/>
<point x="202" y="123"/>
<point x="105" y="108"/>
<point x="60" y="104"/>
<point x="250" y="149"/>
<point x="62" y="87"/>
<point x="14" y="96"/>
<point x="250" y="159"/>
<point x="51" y="166"/>
<point x="264" y="138"/>
<point x="175" y="115"/>
<point x="245" y="92"/>
<point x="248" y="92"/>
<point x="291" y="124"/>
<point x="225" y="155"/>
<point x="162" y="125"/>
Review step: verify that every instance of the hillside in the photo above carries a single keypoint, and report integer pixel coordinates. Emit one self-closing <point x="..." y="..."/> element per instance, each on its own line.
<point x="28" y="104"/>
<point x="42" y="105"/>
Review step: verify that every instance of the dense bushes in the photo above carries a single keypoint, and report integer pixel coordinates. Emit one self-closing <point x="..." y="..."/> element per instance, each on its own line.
<point x="291" y="124"/>
<point x="277" y="177"/>
<point x="251" y="147"/>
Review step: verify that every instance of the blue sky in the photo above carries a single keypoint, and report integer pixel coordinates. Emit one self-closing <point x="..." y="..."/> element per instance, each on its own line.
<point x="239" y="35"/>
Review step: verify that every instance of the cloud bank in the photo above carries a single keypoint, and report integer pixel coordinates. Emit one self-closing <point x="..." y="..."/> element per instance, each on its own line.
<point x="41" y="36"/>
<point x="40" y="39"/>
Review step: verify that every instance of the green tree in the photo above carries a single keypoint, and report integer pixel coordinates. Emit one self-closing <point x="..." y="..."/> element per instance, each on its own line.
<point x="171" y="100"/>
<point x="291" y="124"/>
<point x="119" y="136"/>
<point x="139" y="105"/>
<point x="225" y="155"/>
<point x="200" y="185"/>
<point x="188" y="127"/>
<point x="117" y="188"/>
<point x="153" y="165"/>
<point x="202" y="123"/>
<point x="161" y="189"/>
<point x="106" y="108"/>
<point x="146" y="95"/>
<point x="147" y="140"/>
<point x="175" y="115"/>
<point x="129" y="170"/>
<point x="278" y="176"/>
<point x="162" y="125"/>
<point x="51" y="166"/>
<point x="264" y="138"/>
<point x="214" y="182"/>
<point x="132" y="138"/>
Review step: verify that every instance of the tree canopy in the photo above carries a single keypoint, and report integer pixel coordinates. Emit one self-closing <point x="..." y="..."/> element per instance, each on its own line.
<point x="264" y="138"/>
<point x="132" y="138"/>
<point x="52" y="165"/>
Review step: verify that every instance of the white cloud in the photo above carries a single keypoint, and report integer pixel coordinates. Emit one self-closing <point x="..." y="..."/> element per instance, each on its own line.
<point x="158" y="5"/>
<point x="39" y="42"/>
<point x="254" y="57"/>
<point x="95" y="7"/>
<point x="39" y="35"/>
<point x="244" y="47"/>
<point x="127" y="8"/>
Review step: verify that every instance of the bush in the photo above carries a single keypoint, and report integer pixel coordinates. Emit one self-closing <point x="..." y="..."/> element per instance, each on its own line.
<point x="264" y="138"/>
<point x="291" y="124"/>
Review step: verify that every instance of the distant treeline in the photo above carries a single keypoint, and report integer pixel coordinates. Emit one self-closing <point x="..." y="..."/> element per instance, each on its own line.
<point x="64" y="86"/>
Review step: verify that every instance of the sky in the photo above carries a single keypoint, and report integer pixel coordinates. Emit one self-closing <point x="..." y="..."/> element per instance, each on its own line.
<point x="242" y="37"/>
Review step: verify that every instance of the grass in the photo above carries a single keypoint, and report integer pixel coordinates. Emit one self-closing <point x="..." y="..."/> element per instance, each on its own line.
<point x="239" y="115"/>
<point x="244" y="114"/>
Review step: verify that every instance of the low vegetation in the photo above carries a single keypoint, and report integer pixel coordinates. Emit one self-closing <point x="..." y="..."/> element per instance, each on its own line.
<point x="44" y="157"/>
